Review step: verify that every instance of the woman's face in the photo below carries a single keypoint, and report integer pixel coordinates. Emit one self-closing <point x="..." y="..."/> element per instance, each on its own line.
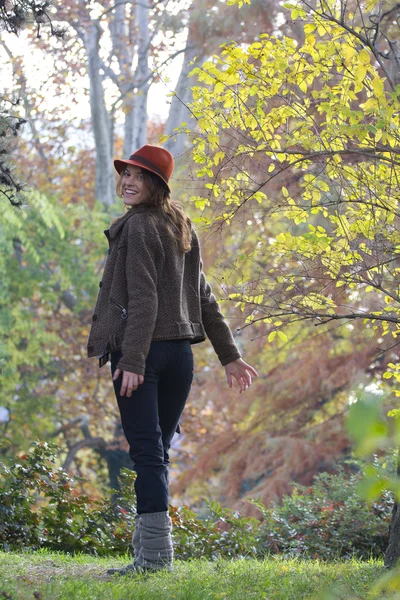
<point x="134" y="190"/>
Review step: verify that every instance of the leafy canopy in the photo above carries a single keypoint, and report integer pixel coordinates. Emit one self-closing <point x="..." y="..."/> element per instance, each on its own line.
<point x="306" y="137"/>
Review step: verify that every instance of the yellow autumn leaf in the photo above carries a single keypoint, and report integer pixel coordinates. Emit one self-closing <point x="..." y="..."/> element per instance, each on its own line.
<point x="377" y="85"/>
<point x="360" y="73"/>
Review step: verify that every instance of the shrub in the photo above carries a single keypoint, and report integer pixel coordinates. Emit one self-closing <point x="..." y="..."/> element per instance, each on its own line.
<point x="41" y="507"/>
<point x="224" y="534"/>
<point x="328" y="520"/>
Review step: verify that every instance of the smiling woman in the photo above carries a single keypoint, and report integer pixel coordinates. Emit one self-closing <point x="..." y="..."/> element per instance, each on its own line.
<point x="154" y="303"/>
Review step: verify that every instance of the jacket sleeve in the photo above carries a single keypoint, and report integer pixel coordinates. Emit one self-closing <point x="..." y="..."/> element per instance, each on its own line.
<point x="216" y="328"/>
<point x="141" y="277"/>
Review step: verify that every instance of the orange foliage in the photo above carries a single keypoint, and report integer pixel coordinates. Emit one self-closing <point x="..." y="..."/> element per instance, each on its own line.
<point x="287" y="428"/>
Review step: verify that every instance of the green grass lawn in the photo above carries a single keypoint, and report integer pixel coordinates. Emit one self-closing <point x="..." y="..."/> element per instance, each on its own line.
<point x="50" y="576"/>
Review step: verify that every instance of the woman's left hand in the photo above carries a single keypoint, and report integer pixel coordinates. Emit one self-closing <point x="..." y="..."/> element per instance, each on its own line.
<point x="241" y="371"/>
<point x="130" y="382"/>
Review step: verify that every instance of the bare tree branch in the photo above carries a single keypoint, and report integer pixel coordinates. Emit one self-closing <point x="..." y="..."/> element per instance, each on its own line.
<point x="97" y="443"/>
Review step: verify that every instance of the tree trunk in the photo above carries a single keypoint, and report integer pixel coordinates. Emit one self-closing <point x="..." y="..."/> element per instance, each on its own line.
<point x="395" y="62"/>
<point x="100" y="121"/>
<point x="139" y="137"/>
<point x="123" y="46"/>
<point x="116" y="460"/>
<point x="178" y="113"/>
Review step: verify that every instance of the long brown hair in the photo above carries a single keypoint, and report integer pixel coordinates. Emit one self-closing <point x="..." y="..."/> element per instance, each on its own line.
<point x="178" y="223"/>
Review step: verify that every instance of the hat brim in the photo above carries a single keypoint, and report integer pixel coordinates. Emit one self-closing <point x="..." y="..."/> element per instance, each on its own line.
<point x="120" y="164"/>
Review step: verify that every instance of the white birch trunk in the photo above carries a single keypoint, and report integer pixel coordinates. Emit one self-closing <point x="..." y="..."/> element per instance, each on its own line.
<point x="123" y="50"/>
<point x="178" y="112"/>
<point x="105" y="183"/>
<point x="139" y="134"/>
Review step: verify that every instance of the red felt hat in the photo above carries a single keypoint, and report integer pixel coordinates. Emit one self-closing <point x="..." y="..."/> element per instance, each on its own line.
<point x="152" y="158"/>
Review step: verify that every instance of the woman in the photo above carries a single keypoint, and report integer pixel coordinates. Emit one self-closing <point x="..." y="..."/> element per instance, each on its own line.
<point x="155" y="302"/>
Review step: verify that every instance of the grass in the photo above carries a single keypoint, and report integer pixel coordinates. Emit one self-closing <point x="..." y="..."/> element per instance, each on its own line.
<point x="50" y="576"/>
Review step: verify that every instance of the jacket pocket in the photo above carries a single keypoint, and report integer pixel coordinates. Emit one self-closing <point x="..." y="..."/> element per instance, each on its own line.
<point x="124" y="312"/>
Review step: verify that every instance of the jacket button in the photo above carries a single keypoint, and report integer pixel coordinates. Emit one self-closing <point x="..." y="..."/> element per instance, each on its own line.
<point x="91" y="348"/>
<point x="94" y="318"/>
<point x="100" y="284"/>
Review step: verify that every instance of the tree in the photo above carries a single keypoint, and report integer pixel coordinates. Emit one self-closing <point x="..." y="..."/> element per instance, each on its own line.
<point x="318" y="119"/>
<point x="19" y="14"/>
<point x="138" y="35"/>
<point x="15" y="16"/>
<point x="209" y="25"/>
<point x="300" y="143"/>
<point x="47" y="390"/>
<point x="9" y="127"/>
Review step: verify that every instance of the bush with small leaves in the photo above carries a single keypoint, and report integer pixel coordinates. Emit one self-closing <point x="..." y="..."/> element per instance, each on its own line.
<point x="41" y="507"/>
<point x="328" y="520"/>
<point x="225" y="533"/>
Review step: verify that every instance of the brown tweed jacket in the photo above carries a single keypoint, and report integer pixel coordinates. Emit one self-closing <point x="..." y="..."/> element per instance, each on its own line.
<point x="151" y="290"/>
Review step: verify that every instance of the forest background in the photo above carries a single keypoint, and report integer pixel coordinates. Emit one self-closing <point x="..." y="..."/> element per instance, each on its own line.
<point x="287" y="144"/>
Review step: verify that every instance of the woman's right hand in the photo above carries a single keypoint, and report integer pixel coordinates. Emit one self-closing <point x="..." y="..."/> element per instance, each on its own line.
<point x="242" y="372"/>
<point x="130" y="382"/>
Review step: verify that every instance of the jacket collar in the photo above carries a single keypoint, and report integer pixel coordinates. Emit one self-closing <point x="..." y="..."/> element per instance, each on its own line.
<point x="116" y="227"/>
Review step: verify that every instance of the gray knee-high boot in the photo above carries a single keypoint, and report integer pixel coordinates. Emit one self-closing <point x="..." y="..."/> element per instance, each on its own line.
<point x="156" y="550"/>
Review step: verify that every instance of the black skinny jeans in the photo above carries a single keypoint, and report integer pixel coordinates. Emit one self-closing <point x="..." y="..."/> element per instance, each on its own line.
<point x="151" y="415"/>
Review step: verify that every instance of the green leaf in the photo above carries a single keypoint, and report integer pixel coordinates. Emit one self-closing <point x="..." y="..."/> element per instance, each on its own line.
<point x="282" y="336"/>
<point x="366" y="425"/>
